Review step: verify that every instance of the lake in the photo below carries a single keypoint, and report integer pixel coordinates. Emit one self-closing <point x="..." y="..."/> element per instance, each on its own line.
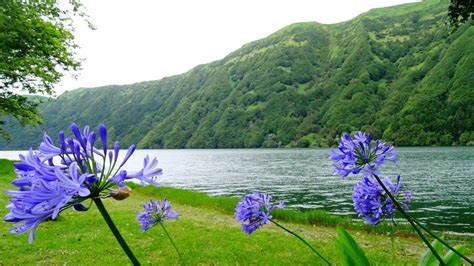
<point x="440" y="178"/>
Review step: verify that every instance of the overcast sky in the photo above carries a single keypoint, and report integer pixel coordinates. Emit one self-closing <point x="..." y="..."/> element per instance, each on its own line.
<point x="148" y="40"/>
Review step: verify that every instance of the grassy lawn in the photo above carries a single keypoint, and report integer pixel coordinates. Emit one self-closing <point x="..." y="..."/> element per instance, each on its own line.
<point x="206" y="233"/>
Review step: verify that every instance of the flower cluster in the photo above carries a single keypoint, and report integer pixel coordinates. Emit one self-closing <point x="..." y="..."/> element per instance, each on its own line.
<point x="155" y="213"/>
<point x="372" y="203"/>
<point x="360" y="154"/>
<point x="255" y="208"/>
<point x="56" y="178"/>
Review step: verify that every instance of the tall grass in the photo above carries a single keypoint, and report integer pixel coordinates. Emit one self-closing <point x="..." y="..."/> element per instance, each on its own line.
<point x="6" y="168"/>
<point x="226" y="205"/>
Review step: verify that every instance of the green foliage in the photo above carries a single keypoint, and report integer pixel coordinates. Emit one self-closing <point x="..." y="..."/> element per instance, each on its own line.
<point x="36" y="48"/>
<point x="460" y="11"/>
<point x="450" y="258"/>
<point x="428" y="258"/>
<point x="6" y="168"/>
<point x="348" y="251"/>
<point x="18" y="107"/>
<point x="396" y="72"/>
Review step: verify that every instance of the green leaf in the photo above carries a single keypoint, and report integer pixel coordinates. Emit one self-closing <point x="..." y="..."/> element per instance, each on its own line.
<point x="428" y="258"/>
<point x="451" y="258"/>
<point x="344" y="259"/>
<point x="348" y="250"/>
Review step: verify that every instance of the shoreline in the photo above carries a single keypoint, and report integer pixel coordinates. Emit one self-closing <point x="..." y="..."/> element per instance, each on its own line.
<point x="226" y="205"/>
<point x="206" y="233"/>
<point x="307" y="216"/>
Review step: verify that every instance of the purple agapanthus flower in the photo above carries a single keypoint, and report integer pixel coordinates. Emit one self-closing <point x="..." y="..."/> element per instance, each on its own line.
<point x="149" y="171"/>
<point x="255" y="208"/>
<point x="372" y="203"/>
<point x="56" y="178"/>
<point x="155" y="213"/>
<point x="360" y="154"/>
<point x="44" y="199"/>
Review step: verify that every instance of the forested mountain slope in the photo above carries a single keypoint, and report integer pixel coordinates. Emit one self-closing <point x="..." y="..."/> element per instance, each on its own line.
<point x="397" y="72"/>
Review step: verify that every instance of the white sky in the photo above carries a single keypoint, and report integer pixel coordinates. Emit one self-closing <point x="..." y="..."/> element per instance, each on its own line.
<point x="148" y="40"/>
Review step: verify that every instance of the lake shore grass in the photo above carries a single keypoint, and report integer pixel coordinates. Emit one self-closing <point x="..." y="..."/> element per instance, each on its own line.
<point x="226" y="205"/>
<point x="206" y="233"/>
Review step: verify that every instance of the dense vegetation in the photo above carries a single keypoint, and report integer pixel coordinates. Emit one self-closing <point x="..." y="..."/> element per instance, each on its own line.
<point x="398" y="72"/>
<point x="37" y="47"/>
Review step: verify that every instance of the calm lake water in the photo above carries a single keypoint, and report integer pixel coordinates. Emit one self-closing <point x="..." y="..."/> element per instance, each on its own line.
<point x="441" y="179"/>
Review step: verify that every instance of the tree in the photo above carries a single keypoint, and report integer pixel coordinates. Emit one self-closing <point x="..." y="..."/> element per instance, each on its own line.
<point x="460" y="11"/>
<point x="36" y="47"/>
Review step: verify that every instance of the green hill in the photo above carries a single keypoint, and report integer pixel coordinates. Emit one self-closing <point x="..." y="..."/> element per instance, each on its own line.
<point x="397" y="72"/>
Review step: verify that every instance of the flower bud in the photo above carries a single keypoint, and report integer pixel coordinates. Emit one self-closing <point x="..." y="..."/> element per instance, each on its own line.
<point x="121" y="193"/>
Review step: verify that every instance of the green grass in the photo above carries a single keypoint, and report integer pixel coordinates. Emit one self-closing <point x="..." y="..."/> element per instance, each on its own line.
<point x="206" y="233"/>
<point x="226" y="205"/>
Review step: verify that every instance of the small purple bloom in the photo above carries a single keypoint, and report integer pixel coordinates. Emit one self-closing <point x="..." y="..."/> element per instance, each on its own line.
<point x="119" y="178"/>
<point x="70" y="143"/>
<point x="73" y="180"/>
<point x="116" y="150"/>
<point x="373" y="204"/>
<point x="62" y="143"/>
<point x="361" y="137"/>
<point x="255" y="208"/>
<point x="130" y="151"/>
<point x="155" y="213"/>
<point x="360" y="154"/>
<point x="86" y="133"/>
<point x="149" y="172"/>
<point x="79" y="207"/>
<point x="30" y="170"/>
<point x="103" y="137"/>
<point x="47" y="148"/>
<point x="91" y="140"/>
<point x="111" y="157"/>
<point x="77" y="133"/>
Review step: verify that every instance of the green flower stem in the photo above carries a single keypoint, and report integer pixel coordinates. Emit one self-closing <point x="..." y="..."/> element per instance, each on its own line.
<point x="443" y="242"/>
<point x="392" y="241"/>
<point x="172" y="242"/>
<point x="115" y="231"/>
<point x="410" y="220"/>
<point x="300" y="238"/>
